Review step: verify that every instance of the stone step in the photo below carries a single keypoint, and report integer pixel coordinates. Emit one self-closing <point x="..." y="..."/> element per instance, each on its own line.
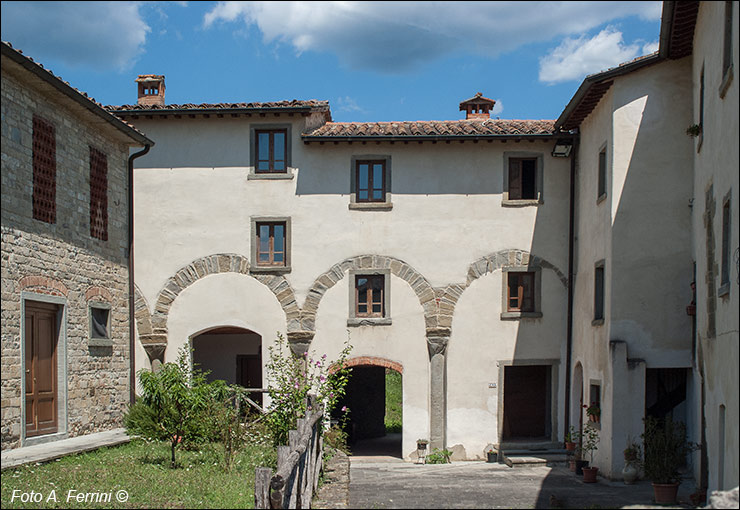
<point x="531" y="458"/>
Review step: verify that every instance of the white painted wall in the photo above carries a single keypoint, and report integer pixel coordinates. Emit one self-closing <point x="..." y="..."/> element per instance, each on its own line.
<point x="194" y="198"/>
<point x="641" y="231"/>
<point x="716" y="164"/>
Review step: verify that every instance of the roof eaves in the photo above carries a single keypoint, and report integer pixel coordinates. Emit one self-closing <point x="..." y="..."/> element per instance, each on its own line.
<point x="603" y="77"/>
<point x="72" y="93"/>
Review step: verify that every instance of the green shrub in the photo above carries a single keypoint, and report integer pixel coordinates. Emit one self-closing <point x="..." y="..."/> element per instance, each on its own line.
<point x="439" y="456"/>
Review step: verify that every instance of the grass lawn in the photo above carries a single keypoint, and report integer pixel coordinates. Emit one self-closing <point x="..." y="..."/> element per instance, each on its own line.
<point x="393" y="401"/>
<point x="141" y="469"/>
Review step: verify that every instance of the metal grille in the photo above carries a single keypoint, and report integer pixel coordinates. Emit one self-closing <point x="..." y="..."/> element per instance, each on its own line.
<point x="98" y="194"/>
<point x="44" y="170"/>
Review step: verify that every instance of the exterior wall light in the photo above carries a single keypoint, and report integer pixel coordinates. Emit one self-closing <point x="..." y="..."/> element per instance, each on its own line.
<point x="562" y="149"/>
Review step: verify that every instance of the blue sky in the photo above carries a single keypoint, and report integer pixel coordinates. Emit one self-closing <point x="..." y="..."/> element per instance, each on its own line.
<point x="373" y="61"/>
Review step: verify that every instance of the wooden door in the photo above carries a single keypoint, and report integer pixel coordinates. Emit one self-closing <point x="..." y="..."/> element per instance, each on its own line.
<point x="526" y="402"/>
<point x="249" y="374"/>
<point x="41" y="337"/>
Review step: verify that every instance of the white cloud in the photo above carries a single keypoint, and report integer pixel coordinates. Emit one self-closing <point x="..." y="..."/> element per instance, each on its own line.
<point x="347" y="104"/>
<point x="498" y="108"/>
<point x="395" y="36"/>
<point x="650" y="47"/>
<point x="573" y="59"/>
<point x="99" y="34"/>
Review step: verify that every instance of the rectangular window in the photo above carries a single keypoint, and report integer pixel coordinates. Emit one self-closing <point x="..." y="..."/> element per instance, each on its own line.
<point x="98" y="194"/>
<point x="99" y="323"/>
<point x="271" y="246"/>
<point x="522" y="179"/>
<point x="599" y="293"/>
<point x="726" y="247"/>
<point x="602" y="174"/>
<point x="271" y="151"/>
<point x="44" y="170"/>
<point x="521" y="292"/>
<point x="369" y="299"/>
<point x="370" y="179"/>
<point x="727" y="49"/>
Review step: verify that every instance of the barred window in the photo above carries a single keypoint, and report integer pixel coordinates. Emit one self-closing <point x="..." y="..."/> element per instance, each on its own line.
<point x="44" y="170"/>
<point x="98" y="194"/>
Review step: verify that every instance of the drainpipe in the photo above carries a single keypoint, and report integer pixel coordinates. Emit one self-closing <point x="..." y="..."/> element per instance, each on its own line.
<point x="131" y="311"/>
<point x="571" y="250"/>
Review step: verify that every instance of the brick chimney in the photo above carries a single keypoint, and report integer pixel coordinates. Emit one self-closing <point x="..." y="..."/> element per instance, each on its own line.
<point x="151" y="89"/>
<point x="477" y="107"/>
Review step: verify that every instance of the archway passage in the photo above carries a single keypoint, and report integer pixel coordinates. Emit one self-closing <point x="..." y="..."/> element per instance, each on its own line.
<point x="230" y="354"/>
<point x="374" y="424"/>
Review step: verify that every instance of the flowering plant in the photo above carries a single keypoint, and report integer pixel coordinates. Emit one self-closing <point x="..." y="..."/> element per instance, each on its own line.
<point x="290" y="380"/>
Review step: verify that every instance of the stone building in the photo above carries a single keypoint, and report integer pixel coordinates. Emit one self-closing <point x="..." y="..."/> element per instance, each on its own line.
<point x="511" y="270"/>
<point x="654" y="211"/>
<point x="66" y="356"/>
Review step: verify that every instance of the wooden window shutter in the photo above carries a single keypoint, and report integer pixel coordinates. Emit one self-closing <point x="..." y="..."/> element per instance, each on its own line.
<point x="98" y="194"/>
<point x="44" y="170"/>
<point x="515" y="179"/>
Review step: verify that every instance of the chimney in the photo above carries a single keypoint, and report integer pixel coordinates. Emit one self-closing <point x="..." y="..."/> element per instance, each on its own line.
<point x="477" y="107"/>
<point x="151" y="89"/>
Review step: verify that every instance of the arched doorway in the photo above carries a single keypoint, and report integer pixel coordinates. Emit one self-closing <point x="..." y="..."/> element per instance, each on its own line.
<point x="230" y="354"/>
<point x="374" y="396"/>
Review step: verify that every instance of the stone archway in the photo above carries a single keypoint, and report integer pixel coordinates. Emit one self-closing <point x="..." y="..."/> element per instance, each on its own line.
<point x="153" y="327"/>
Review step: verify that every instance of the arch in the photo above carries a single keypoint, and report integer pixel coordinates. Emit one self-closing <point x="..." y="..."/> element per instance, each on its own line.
<point x="198" y="269"/>
<point x="507" y="258"/>
<point x="45" y="285"/>
<point x="373" y="361"/>
<point x="419" y="284"/>
<point x="98" y="292"/>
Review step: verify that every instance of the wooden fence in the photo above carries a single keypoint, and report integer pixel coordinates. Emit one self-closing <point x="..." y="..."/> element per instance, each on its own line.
<point x="298" y="466"/>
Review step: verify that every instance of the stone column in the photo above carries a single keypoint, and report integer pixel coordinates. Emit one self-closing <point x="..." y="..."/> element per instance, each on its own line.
<point x="437" y="339"/>
<point x="299" y="341"/>
<point x="155" y="345"/>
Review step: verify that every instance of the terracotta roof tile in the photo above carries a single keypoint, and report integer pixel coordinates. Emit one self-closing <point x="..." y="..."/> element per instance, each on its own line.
<point x="487" y="127"/>
<point x="314" y="104"/>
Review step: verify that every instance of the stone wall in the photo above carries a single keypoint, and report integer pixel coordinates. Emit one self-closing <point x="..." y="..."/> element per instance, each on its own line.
<point x="61" y="261"/>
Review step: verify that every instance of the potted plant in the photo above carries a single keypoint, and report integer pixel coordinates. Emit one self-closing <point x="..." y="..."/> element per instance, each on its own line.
<point x="632" y="454"/>
<point x="491" y="455"/>
<point x="421" y="450"/>
<point x="590" y="441"/>
<point x="579" y="461"/>
<point x="666" y="447"/>
<point x="594" y="412"/>
<point x="571" y="439"/>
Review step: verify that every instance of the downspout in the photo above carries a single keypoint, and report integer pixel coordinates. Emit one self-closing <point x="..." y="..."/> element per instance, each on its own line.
<point x="131" y="310"/>
<point x="571" y="250"/>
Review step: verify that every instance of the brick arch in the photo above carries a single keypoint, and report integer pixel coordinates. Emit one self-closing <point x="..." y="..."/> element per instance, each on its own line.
<point x="372" y="361"/>
<point x="215" y="264"/>
<point x="418" y="283"/>
<point x="44" y="285"/>
<point x="96" y="292"/>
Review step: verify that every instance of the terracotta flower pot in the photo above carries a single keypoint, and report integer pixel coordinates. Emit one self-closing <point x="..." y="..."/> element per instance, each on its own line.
<point x="572" y="465"/>
<point x="589" y="474"/>
<point x="570" y="446"/>
<point x="665" y="493"/>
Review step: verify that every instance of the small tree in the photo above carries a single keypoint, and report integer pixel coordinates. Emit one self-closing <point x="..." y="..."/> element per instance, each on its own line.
<point x="292" y="378"/>
<point x="172" y="404"/>
<point x="666" y="447"/>
<point x="590" y="442"/>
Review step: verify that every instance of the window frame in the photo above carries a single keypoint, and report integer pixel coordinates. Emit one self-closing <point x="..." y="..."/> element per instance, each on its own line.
<point x="254" y="173"/>
<point x="370" y="205"/>
<point x="254" y="266"/>
<point x="602" y="184"/>
<point x="357" y="319"/>
<point x="599" y="294"/>
<point x="508" y="313"/>
<point x="725" y="273"/>
<point x="539" y="158"/>
<point x="97" y="341"/>
<point x="727" y="54"/>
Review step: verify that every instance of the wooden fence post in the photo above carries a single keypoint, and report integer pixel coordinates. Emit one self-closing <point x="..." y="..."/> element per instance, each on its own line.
<point x="262" y="478"/>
